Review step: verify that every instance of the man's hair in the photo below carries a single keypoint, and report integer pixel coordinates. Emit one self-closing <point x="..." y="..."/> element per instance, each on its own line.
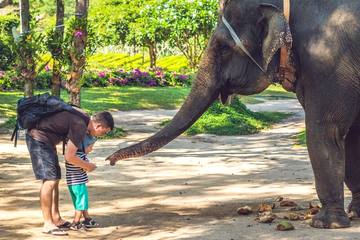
<point x="104" y="118"/>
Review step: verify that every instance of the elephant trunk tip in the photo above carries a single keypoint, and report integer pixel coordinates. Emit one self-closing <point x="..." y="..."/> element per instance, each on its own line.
<point x="137" y="150"/>
<point x="118" y="156"/>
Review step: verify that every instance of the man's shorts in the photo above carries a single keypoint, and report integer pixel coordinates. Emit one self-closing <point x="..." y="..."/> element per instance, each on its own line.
<point x="80" y="197"/>
<point x="44" y="159"/>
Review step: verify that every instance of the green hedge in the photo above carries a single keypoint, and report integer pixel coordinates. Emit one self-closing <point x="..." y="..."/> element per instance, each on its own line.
<point x="10" y="80"/>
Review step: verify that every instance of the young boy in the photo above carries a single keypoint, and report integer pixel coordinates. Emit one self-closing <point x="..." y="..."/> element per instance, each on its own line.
<point x="76" y="179"/>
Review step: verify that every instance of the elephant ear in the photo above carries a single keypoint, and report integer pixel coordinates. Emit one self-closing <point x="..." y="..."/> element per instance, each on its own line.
<point x="278" y="32"/>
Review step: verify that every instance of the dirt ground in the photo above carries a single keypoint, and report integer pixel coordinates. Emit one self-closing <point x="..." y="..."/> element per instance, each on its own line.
<point x="189" y="189"/>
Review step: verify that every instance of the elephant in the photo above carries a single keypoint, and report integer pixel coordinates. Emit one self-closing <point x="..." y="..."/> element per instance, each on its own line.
<point x="325" y="52"/>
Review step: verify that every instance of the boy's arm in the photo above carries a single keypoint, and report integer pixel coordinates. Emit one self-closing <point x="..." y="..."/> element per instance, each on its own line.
<point x="71" y="157"/>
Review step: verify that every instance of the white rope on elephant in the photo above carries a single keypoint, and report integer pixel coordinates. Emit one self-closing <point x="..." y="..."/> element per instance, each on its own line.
<point x="239" y="42"/>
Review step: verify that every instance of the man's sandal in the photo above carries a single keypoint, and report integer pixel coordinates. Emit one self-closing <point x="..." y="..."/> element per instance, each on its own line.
<point x="55" y="232"/>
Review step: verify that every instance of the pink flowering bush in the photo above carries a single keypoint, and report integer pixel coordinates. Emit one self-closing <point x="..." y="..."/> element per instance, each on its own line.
<point x="78" y="34"/>
<point x="136" y="77"/>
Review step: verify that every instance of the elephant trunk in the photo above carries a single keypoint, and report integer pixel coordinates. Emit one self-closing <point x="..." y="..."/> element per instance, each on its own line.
<point x="203" y="93"/>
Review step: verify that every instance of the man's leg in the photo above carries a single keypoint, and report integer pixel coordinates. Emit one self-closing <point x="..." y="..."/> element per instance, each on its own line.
<point x="55" y="213"/>
<point x="46" y="167"/>
<point x="46" y="200"/>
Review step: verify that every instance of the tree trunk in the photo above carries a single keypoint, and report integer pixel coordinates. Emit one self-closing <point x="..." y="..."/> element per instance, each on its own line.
<point x="27" y="65"/>
<point x="78" y="53"/>
<point x="75" y="98"/>
<point x="57" y="52"/>
<point x="152" y="53"/>
<point x="56" y="79"/>
<point x="4" y="3"/>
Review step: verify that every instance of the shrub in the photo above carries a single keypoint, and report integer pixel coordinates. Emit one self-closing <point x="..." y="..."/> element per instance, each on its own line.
<point x="9" y="81"/>
<point x="235" y="119"/>
<point x="136" y="77"/>
<point x="7" y="57"/>
<point x="43" y="80"/>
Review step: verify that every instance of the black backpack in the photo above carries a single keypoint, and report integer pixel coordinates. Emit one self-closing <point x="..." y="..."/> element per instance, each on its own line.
<point x="30" y="110"/>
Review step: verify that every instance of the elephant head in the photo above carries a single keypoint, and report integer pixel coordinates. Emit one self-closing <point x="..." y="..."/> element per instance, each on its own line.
<point x="225" y="68"/>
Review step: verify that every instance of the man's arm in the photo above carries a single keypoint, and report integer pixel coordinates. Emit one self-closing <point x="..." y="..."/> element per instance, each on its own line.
<point x="71" y="157"/>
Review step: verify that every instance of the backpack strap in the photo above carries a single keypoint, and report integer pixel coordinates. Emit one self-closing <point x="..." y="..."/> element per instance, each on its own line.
<point x="63" y="146"/>
<point x="15" y="133"/>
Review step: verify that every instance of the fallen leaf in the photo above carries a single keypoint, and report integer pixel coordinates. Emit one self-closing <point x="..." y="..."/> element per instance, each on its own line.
<point x="284" y="226"/>
<point x="265" y="207"/>
<point x="278" y="199"/>
<point x="266" y="217"/>
<point x="297" y="208"/>
<point x="287" y="203"/>
<point x="311" y="205"/>
<point x="307" y="216"/>
<point x="246" y="210"/>
<point x="293" y="217"/>
<point x="313" y="211"/>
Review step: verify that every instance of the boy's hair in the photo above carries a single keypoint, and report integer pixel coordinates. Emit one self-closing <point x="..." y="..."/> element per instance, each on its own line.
<point x="104" y="118"/>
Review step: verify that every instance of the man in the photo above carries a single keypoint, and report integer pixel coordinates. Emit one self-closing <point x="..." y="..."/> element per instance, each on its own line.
<point x="41" y="142"/>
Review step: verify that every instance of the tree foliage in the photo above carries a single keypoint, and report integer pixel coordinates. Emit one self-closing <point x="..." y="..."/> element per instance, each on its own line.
<point x="179" y="25"/>
<point x="191" y="24"/>
<point x="7" y="57"/>
<point x="183" y="24"/>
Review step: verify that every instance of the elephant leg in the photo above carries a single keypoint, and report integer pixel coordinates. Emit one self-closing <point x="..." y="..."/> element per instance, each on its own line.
<point x="352" y="168"/>
<point x="326" y="146"/>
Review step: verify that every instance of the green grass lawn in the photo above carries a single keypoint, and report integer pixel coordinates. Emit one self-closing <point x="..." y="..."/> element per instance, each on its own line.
<point x="8" y="102"/>
<point x="273" y="92"/>
<point x="133" y="98"/>
<point x="235" y="119"/>
<point x="111" y="98"/>
<point x="120" y="61"/>
<point x="301" y="138"/>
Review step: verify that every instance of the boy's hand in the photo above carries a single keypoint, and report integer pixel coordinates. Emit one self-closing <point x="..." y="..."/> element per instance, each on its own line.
<point x="89" y="149"/>
<point x="91" y="167"/>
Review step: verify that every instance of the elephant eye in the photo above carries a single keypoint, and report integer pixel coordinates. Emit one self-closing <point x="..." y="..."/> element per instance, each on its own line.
<point x="225" y="49"/>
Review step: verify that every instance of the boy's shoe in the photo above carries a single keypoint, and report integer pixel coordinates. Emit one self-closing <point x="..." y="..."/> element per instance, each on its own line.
<point x="64" y="226"/>
<point x="76" y="226"/>
<point x="90" y="223"/>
